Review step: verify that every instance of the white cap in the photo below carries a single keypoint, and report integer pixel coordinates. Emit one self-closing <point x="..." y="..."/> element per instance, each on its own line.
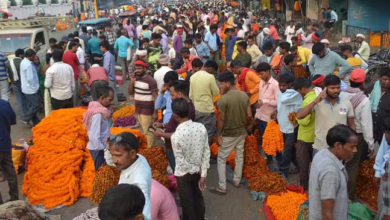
<point x="325" y="41"/>
<point x="361" y="36"/>
<point x="89" y="28"/>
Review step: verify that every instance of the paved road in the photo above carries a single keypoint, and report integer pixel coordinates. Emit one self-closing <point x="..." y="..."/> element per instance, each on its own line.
<point x="236" y="205"/>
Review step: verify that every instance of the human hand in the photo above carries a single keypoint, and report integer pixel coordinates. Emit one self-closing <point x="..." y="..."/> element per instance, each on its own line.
<point x="248" y="93"/>
<point x="158" y="133"/>
<point x="259" y="104"/>
<point x="321" y="96"/>
<point x="377" y="182"/>
<point x="155" y="116"/>
<point x="273" y="115"/>
<point x="157" y="125"/>
<point x="132" y="80"/>
<point x="202" y="183"/>
<point x="370" y="153"/>
<point x="219" y="140"/>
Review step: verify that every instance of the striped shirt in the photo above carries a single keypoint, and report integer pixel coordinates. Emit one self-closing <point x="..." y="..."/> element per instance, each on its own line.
<point x="3" y="71"/>
<point x="143" y="89"/>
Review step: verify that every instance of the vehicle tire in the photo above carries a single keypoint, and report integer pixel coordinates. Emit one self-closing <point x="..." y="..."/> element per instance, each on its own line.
<point x="372" y="75"/>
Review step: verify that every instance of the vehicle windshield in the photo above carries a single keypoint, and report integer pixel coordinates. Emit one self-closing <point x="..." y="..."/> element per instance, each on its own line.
<point x="9" y="43"/>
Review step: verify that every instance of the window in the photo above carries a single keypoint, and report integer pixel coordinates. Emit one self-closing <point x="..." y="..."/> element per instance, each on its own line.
<point x="39" y="39"/>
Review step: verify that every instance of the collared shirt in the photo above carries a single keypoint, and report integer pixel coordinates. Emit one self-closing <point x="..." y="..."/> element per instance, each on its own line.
<point x="254" y="51"/>
<point x="386" y="192"/>
<point x="159" y="76"/>
<point x="187" y="65"/>
<point x="327" y="64"/>
<point x="163" y="204"/>
<point x="288" y="102"/>
<point x="252" y="82"/>
<point x="98" y="132"/>
<point x="306" y="125"/>
<point x="60" y="80"/>
<point x="3" y="71"/>
<point x="268" y="94"/>
<point x="109" y="65"/>
<point x="85" y="37"/>
<point x="71" y="58"/>
<point x="203" y="50"/>
<point x="164" y="101"/>
<point x="111" y="37"/>
<point x="96" y="73"/>
<point x="143" y="95"/>
<point x="304" y="55"/>
<point x="7" y="118"/>
<point x="94" y="46"/>
<point x="122" y="44"/>
<point x="191" y="148"/>
<point x="211" y="40"/>
<point x="364" y="50"/>
<point x="333" y="15"/>
<point x="289" y="32"/>
<point x="202" y="89"/>
<point x="139" y="174"/>
<point x="382" y="157"/>
<point x="328" y="180"/>
<point x="28" y="77"/>
<point x="164" y="44"/>
<point x="327" y="116"/>
<point x="80" y="55"/>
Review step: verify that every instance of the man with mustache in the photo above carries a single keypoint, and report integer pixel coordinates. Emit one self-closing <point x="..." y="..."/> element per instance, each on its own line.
<point x="330" y="110"/>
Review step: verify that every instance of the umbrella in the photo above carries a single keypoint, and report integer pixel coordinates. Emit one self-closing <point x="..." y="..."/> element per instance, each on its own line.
<point x="4" y="12"/>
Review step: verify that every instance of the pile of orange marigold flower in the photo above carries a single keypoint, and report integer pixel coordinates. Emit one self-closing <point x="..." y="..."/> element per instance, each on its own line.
<point x="286" y="205"/>
<point x="60" y="168"/>
<point x="365" y="188"/>
<point x="125" y="111"/>
<point x="273" y="139"/>
<point x="158" y="162"/>
<point x="106" y="177"/>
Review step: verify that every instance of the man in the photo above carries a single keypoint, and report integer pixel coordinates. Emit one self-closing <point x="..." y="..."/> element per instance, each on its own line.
<point x="96" y="121"/>
<point x="163" y="62"/>
<point x="162" y="202"/>
<point x="201" y="48"/>
<point x="4" y="84"/>
<point x="211" y="67"/>
<point x="290" y="31"/>
<point x="164" y="100"/>
<point x="94" y="47"/>
<point x="363" y="121"/>
<point x="192" y="154"/>
<point x="144" y="88"/>
<point x="111" y="37"/>
<point x="109" y="66"/>
<point x="243" y="56"/>
<point x="16" y="85"/>
<point x="328" y="191"/>
<point x="230" y="42"/>
<point x="253" y="50"/>
<point x="211" y="41"/>
<point x="97" y="78"/>
<point x="7" y="118"/>
<point x="202" y="89"/>
<point x="154" y="50"/>
<point x="380" y="99"/>
<point x="290" y="63"/>
<point x="284" y="50"/>
<point x="333" y="15"/>
<point x="240" y="31"/>
<point x="288" y="101"/>
<point x="30" y="89"/>
<point x="123" y="153"/>
<point x="60" y="80"/>
<point x="188" y="43"/>
<point x="80" y="53"/>
<point x="234" y="110"/>
<point x="325" y="62"/>
<point x="266" y="105"/>
<point x="247" y="81"/>
<point x="330" y="110"/>
<point x="71" y="58"/>
<point x="364" y="48"/>
<point x="121" y="45"/>
<point x="85" y="37"/>
<point x="354" y="59"/>
<point x="187" y="67"/>
<point x="81" y="41"/>
<point x="164" y="40"/>
<point x="318" y="31"/>
<point x="304" y="151"/>
<point x="269" y="57"/>
<point x="267" y="39"/>
<point x="303" y="54"/>
<point x="274" y="34"/>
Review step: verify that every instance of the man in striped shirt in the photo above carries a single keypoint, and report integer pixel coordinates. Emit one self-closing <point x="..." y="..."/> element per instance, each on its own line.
<point x="4" y="84"/>
<point x="144" y="88"/>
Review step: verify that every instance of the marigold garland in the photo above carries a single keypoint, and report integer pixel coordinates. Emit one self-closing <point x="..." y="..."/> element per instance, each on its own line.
<point x="158" y="162"/>
<point x="60" y="168"/>
<point x="365" y="188"/>
<point x="273" y="139"/>
<point x="142" y="141"/>
<point x="106" y="177"/>
<point x="292" y="118"/>
<point x="214" y="150"/>
<point x="286" y="205"/>
<point x="126" y="110"/>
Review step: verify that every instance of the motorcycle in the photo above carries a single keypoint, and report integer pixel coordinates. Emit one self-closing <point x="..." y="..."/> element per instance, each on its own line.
<point x="376" y="62"/>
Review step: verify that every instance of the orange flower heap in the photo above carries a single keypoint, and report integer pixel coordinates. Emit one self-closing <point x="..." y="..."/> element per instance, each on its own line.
<point x="292" y="118"/>
<point x="286" y="205"/>
<point x="158" y="162"/>
<point x="106" y="177"/>
<point x="143" y="142"/>
<point x="123" y="112"/>
<point x="272" y="139"/>
<point x="60" y="167"/>
<point x="365" y="188"/>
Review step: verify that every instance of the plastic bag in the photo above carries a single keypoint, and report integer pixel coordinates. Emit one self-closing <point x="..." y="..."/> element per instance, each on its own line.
<point x="358" y="211"/>
<point x="18" y="157"/>
<point x="83" y="76"/>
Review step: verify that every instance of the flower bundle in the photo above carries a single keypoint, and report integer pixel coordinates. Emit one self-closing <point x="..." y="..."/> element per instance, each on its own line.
<point x="272" y="139"/>
<point x="106" y="177"/>
<point x="125" y="121"/>
<point x="214" y="150"/>
<point x="123" y="112"/>
<point x="286" y="205"/>
<point x="216" y="112"/>
<point x="292" y="118"/>
<point x="143" y="142"/>
<point x="158" y="162"/>
<point x="365" y="188"/>
<point x="60" y="167"/>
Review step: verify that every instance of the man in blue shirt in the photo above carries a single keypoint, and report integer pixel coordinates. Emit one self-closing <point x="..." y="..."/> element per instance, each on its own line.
<point x="7" y="118"/>
<point x="211" y="41"/>
<point x="94" y="47"/>
<point x="164" y="97"/>
<point x="30" y="89"/>
<point x="121" y="45"/>
<point x="201" y="48"/>
<point x="109" y="66"/>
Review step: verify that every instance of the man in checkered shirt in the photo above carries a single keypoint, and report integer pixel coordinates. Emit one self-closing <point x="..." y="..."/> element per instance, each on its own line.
<point x="111" y="37"/>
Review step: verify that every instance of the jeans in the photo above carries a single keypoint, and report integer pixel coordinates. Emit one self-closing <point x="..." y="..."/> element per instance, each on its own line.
<point x="60" y="104"/>
<point x="76" y="93"/>
<point x="8" y="169"/>
<point x="304" y="157"/>
<point x="4" y="90"/>
<point x="262" y="125"/>
<point x="98" y="158"/>
<point x="191" y="197"/>
<point x="16" y="88"/>
<point x="123" y="62"/>
<point x="32" y="107"/>
<point x="171" y="159"/>
<point x="289" y="152"/>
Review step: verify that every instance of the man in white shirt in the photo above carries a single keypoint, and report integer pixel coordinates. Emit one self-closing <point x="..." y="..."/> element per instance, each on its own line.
<point x="60" y="81"/>
<point x="333" y="15"/>
<point x="240" y="33"/>
<point x="80" y="53"/>
<point x="191" y="148"/>
<point x="122" y="152"/>
<point x="290" y="31"/>
<point x="364" y="48"/>
<point x="163" y="61"/>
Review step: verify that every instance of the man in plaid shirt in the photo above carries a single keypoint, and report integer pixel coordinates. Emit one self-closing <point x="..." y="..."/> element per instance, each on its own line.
<point x="111" y="37"/>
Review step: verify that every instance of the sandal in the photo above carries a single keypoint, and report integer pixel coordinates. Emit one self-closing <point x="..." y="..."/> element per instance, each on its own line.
<point x="233" y="183"/>
<point x="216" y="191"/>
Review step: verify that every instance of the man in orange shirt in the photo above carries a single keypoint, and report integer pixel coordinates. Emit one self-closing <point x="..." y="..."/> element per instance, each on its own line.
<point x="247" y="81"/>
<point x="274" y="34"/>
<point x="185" y="53"/>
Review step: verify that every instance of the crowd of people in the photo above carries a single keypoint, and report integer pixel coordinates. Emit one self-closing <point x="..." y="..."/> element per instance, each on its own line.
<point x="183" y="58"/>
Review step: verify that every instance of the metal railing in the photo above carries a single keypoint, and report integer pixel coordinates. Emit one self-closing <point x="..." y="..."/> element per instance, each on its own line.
<point x="351" y="32"/>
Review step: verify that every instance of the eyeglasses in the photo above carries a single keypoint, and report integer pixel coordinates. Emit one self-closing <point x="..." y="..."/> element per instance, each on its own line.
<point x="117" y="139"/>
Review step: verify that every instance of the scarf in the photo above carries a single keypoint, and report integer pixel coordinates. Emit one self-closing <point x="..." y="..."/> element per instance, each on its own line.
<point x="357" y="98"/>
<point x="375" y="97"/>
<point x="94" y="107"/>
<point x="241" y="79"/>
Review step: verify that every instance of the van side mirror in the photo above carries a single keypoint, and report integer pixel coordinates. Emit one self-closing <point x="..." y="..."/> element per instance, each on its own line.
<point x="37" y="48"/>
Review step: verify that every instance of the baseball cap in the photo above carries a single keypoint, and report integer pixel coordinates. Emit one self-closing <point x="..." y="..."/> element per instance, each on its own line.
<point x="357" y="76"/>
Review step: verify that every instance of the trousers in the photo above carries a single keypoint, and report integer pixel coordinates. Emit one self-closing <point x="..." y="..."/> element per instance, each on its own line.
<point x="191" y="197"/>
<point x="353" y="167"/>
<point x="145" y="121"/>
<point x="8" y="169"/>
<point x="4" y="90"/>
<point x="33" y="106"/>
<point x="304" y="157"/>
<point x="289" y="152"/>
<point x="16" y="88"/>
<point x="60" y="104"/>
